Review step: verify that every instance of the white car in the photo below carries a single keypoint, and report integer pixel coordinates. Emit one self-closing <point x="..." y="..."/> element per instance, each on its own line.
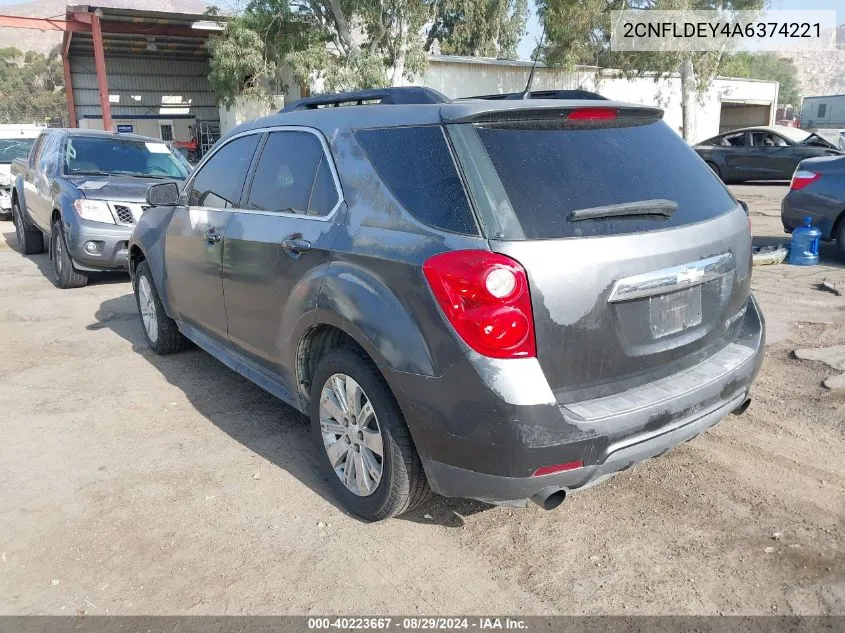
<point x="15" y="142"/>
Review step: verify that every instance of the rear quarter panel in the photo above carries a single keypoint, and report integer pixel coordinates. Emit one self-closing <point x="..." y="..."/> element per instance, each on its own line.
<point x="823" y="200"/>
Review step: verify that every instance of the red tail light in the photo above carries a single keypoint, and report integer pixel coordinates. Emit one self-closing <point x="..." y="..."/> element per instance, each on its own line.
<point x="485" y="297"/>
<point x="592" y="114"/>
<point x="802" y="178"/>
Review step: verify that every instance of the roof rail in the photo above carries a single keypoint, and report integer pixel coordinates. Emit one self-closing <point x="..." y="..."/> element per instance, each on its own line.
<point x="381" y="96"/>
<point x="543" y="94"/>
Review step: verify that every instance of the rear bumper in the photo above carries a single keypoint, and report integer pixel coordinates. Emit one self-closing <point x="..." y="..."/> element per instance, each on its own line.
<point x="797" y="205"/>
<point x="476" y="444"/>
<point x="112" y="242"/>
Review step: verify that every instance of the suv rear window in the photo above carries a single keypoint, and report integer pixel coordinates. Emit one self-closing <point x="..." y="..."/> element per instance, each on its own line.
<point x="548" y="173"/>
<point x="415" y="163"/>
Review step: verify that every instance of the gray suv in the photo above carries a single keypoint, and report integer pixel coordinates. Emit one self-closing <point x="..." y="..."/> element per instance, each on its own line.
<point x="500" y="300"/>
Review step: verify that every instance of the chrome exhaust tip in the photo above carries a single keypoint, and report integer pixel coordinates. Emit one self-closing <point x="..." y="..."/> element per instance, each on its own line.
<point x="549" y="498"/>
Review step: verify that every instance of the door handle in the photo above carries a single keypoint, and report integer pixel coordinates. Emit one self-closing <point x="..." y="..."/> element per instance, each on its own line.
<point x="212" y="236"/>
<point x="294" y="245"/>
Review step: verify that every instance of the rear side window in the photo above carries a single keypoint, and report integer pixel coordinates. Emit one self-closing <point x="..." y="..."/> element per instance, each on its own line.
<point x="290" y="171"/>
<point x="415" y="163"/>
<point x="220" y="182"/>
<point x="549" y="173"/>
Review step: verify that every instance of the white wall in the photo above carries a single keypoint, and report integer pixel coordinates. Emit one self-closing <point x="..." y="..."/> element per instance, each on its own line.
<point x="244" y="110"/>
<point x="464" y="77"/>
<point x="146" y="127"/>
<point x="834" y="116"/>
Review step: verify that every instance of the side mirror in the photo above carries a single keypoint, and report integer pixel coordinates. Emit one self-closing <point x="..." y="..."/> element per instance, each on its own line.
<point x="165" y="194"/>
<point x="744" y="206"/>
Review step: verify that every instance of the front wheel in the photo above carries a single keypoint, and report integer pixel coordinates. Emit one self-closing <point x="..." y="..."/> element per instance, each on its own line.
<point x="365" y="446"/>
<point x="162" y="332"/>
<point x="30" y="240"/>
<point x="64" y="274"/>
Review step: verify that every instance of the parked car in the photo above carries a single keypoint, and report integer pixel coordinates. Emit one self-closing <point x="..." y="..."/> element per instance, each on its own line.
<point x="15" y="142"/>
<point x="499" y="300"/>
<point x="817" y="190"/>
<point x="79" y="194"/>
<point x="762" y="153"/>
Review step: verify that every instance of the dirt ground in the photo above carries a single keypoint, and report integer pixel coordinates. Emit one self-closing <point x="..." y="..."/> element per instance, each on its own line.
<point x="134" y="484"/>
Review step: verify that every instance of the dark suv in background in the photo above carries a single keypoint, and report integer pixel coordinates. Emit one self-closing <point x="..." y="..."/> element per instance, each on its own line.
<point x="499" y="300"/>
<point x="79" y="193"/>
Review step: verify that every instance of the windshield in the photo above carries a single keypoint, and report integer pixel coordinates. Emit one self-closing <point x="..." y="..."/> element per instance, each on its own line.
<point x="12" y="148"/>
<point x="112" y="156"/>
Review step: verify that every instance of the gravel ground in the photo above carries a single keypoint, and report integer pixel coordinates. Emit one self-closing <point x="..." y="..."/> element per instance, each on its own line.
<point x="134" y="484"/>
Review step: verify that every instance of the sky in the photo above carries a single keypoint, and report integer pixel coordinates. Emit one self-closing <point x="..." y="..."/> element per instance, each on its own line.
<point x="526" y="46"/>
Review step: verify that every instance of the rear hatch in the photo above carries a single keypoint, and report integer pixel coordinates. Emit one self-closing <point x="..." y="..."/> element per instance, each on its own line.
<point x="638" y="257"/>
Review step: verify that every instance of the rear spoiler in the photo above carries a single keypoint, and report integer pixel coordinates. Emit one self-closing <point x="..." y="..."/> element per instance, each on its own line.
<point x="541" y="94"/>
<point x="580" y="113"/>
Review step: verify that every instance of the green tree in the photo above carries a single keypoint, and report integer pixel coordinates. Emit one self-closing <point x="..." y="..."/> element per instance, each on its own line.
<point x="578" y="32"/>
<point x="766" y="66"/>
<point x="490" y="28"/>
<point x="31" y="87"/>
<point x="341" y="44"/>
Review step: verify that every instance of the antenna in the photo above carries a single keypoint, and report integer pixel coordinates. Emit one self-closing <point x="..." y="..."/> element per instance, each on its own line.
<point x="526" y="94"/>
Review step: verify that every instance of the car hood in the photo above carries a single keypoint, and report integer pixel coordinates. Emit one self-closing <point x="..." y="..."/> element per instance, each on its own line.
<point x="122" y="188"/>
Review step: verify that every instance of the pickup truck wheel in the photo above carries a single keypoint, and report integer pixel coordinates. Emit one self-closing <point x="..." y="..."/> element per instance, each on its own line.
<point x="66" y="276"/>
<point x="365" y="446"/>
<point x="30" y="240"/>
<point x="162" y="333"/>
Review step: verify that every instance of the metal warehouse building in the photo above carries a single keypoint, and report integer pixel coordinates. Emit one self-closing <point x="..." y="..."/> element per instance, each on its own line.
<point x="136" y="71"/>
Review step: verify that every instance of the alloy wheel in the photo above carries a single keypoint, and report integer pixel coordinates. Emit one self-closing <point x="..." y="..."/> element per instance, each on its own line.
<point x="16" y="219"/>
<point x="147" y="305"/>
<point x="57" y="254"/>
<point x="351" y="434"/>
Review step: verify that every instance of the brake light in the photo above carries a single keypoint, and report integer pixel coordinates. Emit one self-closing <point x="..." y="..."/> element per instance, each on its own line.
<point x="485" y="297"/>
<point x="801" y="178"/>
<point x="592" y="114"/>
<point x="559" y="468"/>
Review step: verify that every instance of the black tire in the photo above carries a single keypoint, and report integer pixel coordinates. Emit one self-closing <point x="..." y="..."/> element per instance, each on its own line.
<point x="166" y="339"/>
<point x="840" y="235"/>
<point x="403" y="484"/>
<point x="715" y="168"/>
<point x="5" y="216"/>
<point x="64" y="274"/>
<point x="30" y="239"/>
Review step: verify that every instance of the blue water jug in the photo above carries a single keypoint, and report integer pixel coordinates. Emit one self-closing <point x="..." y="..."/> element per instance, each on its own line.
<point x="804" y="250"/>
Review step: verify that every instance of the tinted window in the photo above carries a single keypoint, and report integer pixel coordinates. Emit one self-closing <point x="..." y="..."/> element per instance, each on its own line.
<point x="735" y="140"/>
<point x="416" y="164"/>
<point x="109" y="155"/>
<point x="288" y="171"/>
<point x="323" y="194"/>
<point x="220" y="182"/>
<point x="767" y="139"/>
<point x="12" y="148"/>
<point x="549" y="173"/>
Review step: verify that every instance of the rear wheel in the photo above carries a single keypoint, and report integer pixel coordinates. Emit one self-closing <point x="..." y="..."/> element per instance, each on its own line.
<point x="715" y="169"/>
<point x="65" y="275"/>
<point x="365" y="446"/>
<point x="30" y="240"/>
<point x="162" y="333"/>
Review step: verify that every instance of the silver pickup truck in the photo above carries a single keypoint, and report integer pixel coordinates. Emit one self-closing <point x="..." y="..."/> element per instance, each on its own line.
<point x="15" y="142"/>
<point x="79" y="193"/>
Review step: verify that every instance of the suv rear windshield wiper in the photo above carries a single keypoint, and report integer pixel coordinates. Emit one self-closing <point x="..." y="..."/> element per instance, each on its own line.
<point x="662" y="207"/>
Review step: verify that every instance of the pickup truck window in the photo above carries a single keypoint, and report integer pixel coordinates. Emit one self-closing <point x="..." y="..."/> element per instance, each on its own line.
<point x="12" y="148"/>
<point x="111" y="156"/>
